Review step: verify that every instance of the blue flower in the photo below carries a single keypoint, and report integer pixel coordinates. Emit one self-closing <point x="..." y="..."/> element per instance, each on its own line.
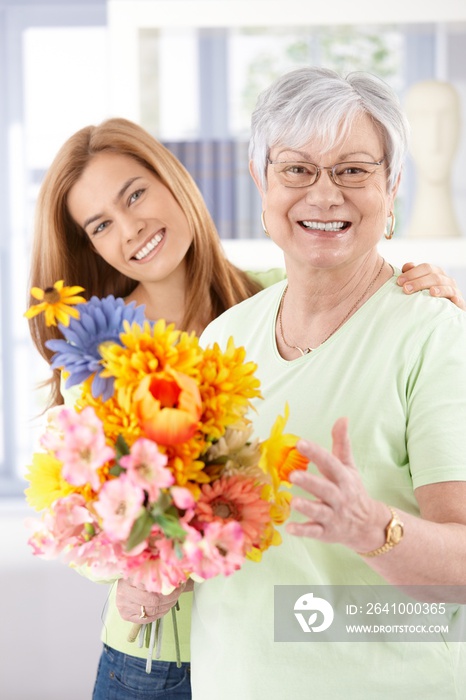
<point x="100" y="321"/>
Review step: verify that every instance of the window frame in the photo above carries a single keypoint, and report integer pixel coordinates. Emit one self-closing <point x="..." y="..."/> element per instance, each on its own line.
<point x="14" y="21"/>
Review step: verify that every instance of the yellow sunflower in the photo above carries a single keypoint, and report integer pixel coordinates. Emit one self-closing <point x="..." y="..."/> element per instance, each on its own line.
<point x="57" y="302"/>
<point x="46" y="483"/>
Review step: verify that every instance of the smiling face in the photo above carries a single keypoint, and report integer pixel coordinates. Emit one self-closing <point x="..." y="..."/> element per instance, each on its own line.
<point x="133" y="221"/>
<point x="323" y="225"/>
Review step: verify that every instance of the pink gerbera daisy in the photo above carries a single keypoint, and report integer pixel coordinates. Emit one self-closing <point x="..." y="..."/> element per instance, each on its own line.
<point x="235" y="498"/>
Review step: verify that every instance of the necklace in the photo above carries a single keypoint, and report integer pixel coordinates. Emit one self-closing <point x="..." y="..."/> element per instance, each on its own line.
<point x="306" y="351"/>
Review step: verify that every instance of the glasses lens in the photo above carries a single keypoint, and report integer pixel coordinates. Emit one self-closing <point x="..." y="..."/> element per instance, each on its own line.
<point x="352" y="174"/>
<point x="296" y="174"/>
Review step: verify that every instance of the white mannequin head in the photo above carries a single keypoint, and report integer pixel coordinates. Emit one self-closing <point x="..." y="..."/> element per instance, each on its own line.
<point x="433" y="110"/>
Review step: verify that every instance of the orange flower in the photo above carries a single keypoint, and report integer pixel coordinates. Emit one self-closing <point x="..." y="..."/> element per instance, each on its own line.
<point x="169" y="406"/>
<point x="189" y="473"/>
<point x="227" y="385"/>
<point x="279" y="456"/>
<point x="235" y="498"/>
<point x="116" y="420"/>
<point x="145" y="350"/>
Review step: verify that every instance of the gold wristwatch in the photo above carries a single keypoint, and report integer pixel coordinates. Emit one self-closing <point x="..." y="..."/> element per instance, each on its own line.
<point x="393" y="535"/>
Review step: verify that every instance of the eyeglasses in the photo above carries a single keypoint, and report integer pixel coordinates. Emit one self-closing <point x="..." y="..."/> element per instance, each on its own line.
<point x="298" y="174"/>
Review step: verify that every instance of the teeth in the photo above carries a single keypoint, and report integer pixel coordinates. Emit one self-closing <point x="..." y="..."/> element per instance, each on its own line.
<point x="319" y="225"/>
<point x="141" y="254"/>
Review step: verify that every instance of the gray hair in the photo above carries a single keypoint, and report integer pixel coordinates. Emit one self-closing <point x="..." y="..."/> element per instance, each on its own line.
<point x="317" y="103"/>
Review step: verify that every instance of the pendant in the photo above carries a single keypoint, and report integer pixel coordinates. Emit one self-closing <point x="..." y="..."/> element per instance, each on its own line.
<point x="306" y="351"/>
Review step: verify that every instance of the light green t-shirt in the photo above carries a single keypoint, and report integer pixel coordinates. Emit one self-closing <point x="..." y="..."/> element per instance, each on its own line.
<point x="115" y="630"/>
<point x="397" y="370"/>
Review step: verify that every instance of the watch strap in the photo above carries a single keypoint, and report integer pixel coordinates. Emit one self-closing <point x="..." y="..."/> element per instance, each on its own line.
<point x="389" y="544"/>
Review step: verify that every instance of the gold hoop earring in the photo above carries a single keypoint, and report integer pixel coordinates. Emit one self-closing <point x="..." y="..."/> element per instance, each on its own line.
<point x="264" y="227"/>
<point x="391" y="231"/>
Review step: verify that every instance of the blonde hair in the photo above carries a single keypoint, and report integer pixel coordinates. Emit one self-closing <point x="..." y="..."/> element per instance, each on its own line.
<point x="63" y="251"/>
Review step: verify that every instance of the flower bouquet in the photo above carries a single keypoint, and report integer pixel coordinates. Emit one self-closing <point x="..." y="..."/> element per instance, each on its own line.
<point x="152" y="474"/>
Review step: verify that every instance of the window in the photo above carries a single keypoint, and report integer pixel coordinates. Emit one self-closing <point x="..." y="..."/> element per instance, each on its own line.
<point x="205" y="122"/>
<point x="53" y="87"/>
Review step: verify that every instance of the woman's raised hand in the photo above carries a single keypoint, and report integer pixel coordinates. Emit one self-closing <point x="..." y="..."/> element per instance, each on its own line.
<point x="340" y="509"/>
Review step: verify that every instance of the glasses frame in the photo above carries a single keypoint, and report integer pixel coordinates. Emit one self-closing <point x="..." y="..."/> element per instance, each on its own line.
<point x="330" y="169"/>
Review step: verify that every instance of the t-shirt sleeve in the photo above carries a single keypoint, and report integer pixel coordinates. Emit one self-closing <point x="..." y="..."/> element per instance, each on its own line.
<point x="436" y="404"/>
<point x="71" y="395"/>
<point x="267" y="277"/>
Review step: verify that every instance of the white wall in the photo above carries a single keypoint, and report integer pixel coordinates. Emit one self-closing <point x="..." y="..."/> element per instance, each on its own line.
<point x="50" y="620"/>
<point x="448" y="253"/>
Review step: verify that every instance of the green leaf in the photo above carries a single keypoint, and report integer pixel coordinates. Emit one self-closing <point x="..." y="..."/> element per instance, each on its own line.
<point x="170" y="526"/>
<point x="121" y="447"/>
<point x="221" y="459"/>
<point x="89" y="531"/>
<point x="140" y="530"/>
<point x="116" y="470"/>
<point x="178" y="552"/>
<point x="163" y="502"/>
<point x="148" y="631"/>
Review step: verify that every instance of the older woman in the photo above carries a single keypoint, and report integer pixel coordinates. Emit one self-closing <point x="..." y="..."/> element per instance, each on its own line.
<point x="376" y="385"/>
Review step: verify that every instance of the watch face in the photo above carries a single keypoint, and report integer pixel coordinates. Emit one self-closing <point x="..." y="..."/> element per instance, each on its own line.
<point x="396" y="533"/>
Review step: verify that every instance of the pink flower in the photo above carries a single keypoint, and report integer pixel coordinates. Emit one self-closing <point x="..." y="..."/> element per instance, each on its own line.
<point x="78" y="440"/>
<point x="41" y="540"/>
<point x="101" y="555"/>
<point x="63" y="527"/>
<point x="219" y="551"/>
<point x="119" y="504"/>
<point x="158" y="567"/>
<point x="52" y="438"/>
<point x="146" y="467"/>
<point x="182" y="498"/>
<point x="70" y="515"/>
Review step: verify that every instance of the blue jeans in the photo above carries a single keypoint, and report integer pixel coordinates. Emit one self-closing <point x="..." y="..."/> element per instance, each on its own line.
<point x="123" y="677"/>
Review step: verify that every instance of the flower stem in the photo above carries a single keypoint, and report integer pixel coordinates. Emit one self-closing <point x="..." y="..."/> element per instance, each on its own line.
<point x="175" y="633"/>
<point x="133" y="633"/>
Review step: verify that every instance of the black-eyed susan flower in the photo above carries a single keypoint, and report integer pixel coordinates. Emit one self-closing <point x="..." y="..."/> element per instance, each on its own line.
<point x="56" y="302"/>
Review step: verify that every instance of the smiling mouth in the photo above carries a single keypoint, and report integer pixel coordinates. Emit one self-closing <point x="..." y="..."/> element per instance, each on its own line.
<point x="149" y="247"/>
<point x="328" y="226"/>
